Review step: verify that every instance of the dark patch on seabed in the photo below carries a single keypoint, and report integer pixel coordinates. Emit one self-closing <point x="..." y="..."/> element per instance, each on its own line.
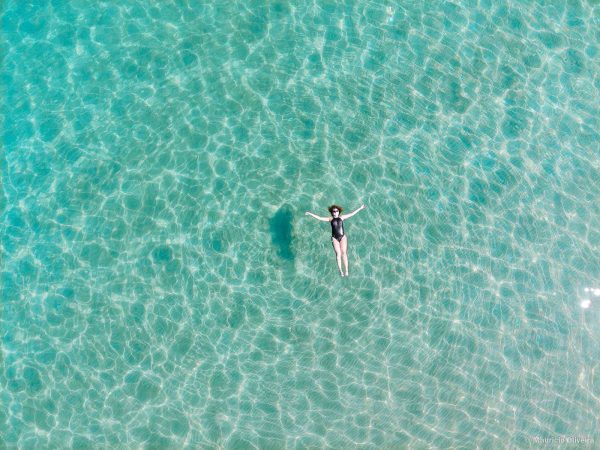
<point x="281" y="227"/>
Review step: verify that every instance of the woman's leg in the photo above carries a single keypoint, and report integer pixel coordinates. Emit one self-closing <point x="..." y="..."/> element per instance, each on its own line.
<point x="338" y="254"/>
<point x="344" y="249"/>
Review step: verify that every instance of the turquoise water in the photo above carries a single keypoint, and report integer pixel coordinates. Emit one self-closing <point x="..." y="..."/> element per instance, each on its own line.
<point x="162" y="287"/>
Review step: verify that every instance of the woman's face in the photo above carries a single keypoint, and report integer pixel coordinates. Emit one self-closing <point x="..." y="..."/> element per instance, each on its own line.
<point x="335" y="212"/>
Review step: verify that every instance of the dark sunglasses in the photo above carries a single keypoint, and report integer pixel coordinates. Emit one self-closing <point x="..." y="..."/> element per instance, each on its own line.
<point x="335" y="210"/>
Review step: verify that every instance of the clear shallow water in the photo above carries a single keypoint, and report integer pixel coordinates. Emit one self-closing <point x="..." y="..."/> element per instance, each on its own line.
<point x="161" y="285"/>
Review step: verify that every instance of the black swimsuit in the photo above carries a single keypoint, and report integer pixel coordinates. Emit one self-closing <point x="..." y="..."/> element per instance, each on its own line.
<point x="337" y="228"/>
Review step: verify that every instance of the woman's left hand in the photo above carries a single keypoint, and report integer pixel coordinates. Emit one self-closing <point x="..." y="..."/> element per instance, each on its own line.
<point x="363" y="207"/>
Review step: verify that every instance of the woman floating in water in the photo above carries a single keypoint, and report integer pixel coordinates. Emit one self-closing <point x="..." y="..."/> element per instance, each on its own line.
<point x="338" y="237"/>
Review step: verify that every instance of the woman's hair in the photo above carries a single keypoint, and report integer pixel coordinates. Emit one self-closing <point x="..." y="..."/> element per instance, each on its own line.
<point x="335" y="206"/>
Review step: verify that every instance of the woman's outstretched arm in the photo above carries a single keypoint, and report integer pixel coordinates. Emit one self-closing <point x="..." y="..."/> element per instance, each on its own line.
<point x="345" y="216"/>
<point x="324" y="219"/>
